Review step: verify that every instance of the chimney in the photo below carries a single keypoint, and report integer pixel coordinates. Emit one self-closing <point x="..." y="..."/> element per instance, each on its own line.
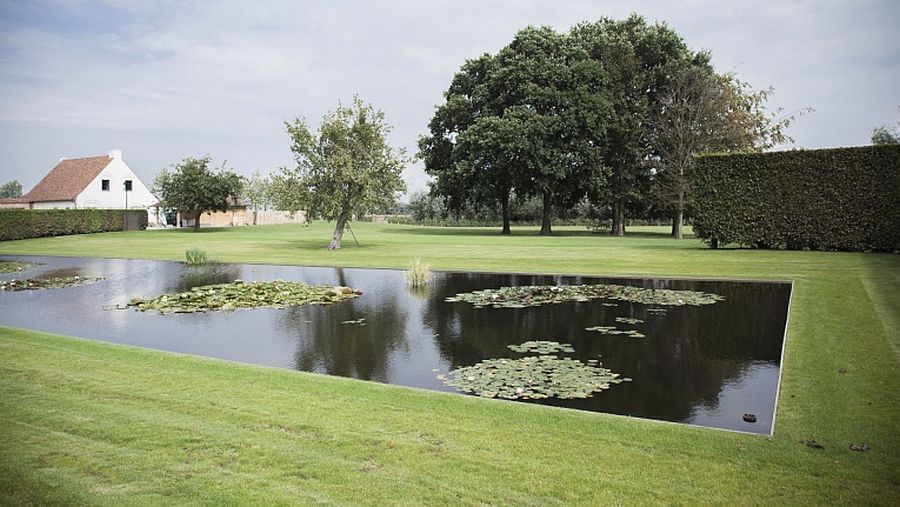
<point x="115" y="154"/>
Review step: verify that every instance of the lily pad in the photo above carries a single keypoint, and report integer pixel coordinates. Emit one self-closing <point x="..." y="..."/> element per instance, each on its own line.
<point x="15" y="266"/>
<point x="541" y="347"/>
<point x="241" y="294"/>
<point x="612" y="330"/>
<point x="629" y="320"/>
<point x="532" y="378"/>
<point x="60" y="282"/>
<point x="537" y="295"/>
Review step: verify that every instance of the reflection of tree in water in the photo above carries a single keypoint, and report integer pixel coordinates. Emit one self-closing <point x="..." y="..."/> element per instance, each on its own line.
<point x="209" y="274"/>
<point x="689" y="354"/>
<point x="325" y="345"/>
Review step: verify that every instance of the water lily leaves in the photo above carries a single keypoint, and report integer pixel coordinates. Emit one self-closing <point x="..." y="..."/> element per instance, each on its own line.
<point x="15" y="266"/>
<point x="241" y="294"/>
<point x="533" y="377"/>
<point x="541" y="347"/>
<point x="629" y="320"/>
<point x="361" y="322"/>
<point x="60" y="282"/>
<point x="612" y="330"/>
<point x="537" y="295"/>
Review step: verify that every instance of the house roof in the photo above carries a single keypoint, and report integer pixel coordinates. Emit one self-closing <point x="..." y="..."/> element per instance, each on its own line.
<point x="67" y="179"/>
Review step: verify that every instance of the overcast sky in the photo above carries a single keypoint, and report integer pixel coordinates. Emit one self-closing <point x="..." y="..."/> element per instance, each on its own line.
<point x="171" y="79"/>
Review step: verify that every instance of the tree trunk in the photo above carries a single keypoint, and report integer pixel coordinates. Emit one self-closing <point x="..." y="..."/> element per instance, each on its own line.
<point x="504" y="206"/>
<point x="618" y="218"/>
<point x="338" y="232"/>
<point x="197" y="220"/>
<point x="677" y="220"/>
<point x="545" y="221"/>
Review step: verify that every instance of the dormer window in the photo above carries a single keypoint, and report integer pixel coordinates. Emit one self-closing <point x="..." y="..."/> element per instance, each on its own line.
<point x="104" y="185"/>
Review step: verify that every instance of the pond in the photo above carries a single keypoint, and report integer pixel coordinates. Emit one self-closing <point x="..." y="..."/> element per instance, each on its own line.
<point x="706" y="365"/>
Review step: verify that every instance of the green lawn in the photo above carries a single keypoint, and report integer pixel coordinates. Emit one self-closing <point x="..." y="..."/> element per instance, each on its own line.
<point x="88" y="422"/>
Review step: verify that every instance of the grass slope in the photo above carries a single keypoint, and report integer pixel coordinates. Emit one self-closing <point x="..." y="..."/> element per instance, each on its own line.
<point x="87" y="422"/>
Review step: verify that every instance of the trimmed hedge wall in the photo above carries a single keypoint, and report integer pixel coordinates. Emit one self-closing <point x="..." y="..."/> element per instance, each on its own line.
<point x="834" y="199"/>
<point x="28" y="223"/>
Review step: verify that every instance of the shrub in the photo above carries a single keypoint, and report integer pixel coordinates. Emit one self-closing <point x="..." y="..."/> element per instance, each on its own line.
<point x="833" y="199"/>
<point x="28" y="223"/>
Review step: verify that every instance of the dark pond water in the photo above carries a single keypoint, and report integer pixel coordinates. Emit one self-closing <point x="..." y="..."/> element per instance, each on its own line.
<point x="704" y="365"/>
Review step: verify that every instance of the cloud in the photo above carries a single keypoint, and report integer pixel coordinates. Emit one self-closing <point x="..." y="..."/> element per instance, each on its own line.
<point x="163" y="81"/>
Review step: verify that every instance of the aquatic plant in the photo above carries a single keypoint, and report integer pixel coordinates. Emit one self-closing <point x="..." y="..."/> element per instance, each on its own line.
<point x="196" y="257"/>
<point x="46" y="283"/>
<point x="533" y="378"/>
<point x="418" y="273"/>
<point x="537" y="295"/>
<point x="541" y="347"/>
<point x="15" y="266"/>
<point x="629" y="320"/>
<point x="611" y="330"/>
<point x="241" y="294"/>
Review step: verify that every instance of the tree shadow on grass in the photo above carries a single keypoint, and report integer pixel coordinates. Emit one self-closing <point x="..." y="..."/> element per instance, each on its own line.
<point x="495" y="232"/>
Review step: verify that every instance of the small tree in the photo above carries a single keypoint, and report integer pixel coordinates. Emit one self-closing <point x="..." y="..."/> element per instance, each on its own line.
<point x="258" y="191"/>
<point x="10" y="189"/>
<point x="194" y="188"/>
<point x="347" y="165"/>
<point x="700" y="112"/>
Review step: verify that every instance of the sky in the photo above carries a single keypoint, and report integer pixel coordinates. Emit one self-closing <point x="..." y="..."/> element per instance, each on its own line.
<point x="167" y="80"/>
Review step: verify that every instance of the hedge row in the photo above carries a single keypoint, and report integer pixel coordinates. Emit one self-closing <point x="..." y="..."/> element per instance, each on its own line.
<point x="834" y="199"/>
<point x="27" y="223"/>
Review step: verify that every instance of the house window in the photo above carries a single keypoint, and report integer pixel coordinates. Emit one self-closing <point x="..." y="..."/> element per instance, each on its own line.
<point x="104" y="185"/>
<point x="128" y="185"/>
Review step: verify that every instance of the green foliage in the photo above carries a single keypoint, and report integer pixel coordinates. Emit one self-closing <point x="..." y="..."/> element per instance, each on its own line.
<point x="834" y="199"/>
<point x="55" y="282"/>
<point x="28" y="223"/>
<point x="196" y="257"/>
<point x="418" y="273"/>
<point x="258" y="191"/>
<point x="193" y="187"/>
<point x="241" y="294"/>
<point x="346" y="166"/>
<point x="537" y="295"/>
<point x="10" y="189"/>
<point x="884" y="135"/>
<point x="15" y="266"/>
<point x="529" y="119"/>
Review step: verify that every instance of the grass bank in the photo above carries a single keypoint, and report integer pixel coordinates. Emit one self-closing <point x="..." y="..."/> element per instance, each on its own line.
<point x="87" y="422"/>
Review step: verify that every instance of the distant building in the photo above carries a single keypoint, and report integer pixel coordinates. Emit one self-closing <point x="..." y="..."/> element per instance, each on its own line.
<point x="92" y="182"/>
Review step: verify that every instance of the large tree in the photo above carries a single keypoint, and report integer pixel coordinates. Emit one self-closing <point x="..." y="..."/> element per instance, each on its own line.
<point x="637" y="58"/>
<point x="346" y="165"/>
<point x="11" y="189"/>
<point x="528" y="120"/>
<point x="195" y="188"/>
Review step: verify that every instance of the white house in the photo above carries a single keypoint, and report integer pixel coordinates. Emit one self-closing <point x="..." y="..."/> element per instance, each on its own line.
<point x="91" y="182"/>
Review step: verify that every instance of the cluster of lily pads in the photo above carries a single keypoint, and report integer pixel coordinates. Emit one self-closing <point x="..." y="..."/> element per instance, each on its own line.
<point x="612" y="330"/>
<point x="537" y="295"/>
<point x="59" y="282"/>
<point x="534" y="377"/>
<point x="241" y="294"/>
<point x="15" y="266"/>
<point x="541" y="347"/>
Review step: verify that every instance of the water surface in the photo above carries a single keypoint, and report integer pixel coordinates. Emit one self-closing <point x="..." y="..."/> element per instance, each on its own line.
<point x="705" y="365"/>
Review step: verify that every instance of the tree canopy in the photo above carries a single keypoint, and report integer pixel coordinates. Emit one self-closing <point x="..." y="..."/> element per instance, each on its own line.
<point x="529" y="119"/>
<point x="11" y="189"/>
<point x="195" y="188"/>
<point x="346" y="166"/>
<point x="603" y="112"/>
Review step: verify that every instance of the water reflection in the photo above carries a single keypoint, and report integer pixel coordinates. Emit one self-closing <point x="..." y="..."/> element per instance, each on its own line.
<point x="704" y="365"/>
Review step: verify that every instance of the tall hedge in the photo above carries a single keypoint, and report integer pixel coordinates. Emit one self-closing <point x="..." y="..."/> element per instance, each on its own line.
<point x="27" y="223"/>
<point x="832" y="199"/>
